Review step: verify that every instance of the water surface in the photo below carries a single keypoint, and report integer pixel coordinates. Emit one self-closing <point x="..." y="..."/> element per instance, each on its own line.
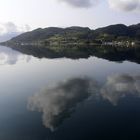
<point x="67" y="99"/>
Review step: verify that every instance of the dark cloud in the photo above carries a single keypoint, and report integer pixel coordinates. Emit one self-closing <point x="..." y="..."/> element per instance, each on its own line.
<point x="58" y="102"/>
<point x="119" y="86"/>
<point x="125" y="5"/>
<point x="81" y="3"/>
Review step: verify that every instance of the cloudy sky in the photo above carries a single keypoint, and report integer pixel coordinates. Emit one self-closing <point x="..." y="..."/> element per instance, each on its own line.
<point x="63" y="13"/>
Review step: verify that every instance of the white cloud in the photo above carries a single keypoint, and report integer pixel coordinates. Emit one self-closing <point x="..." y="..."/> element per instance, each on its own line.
<point x="9" y="30"/>
<point x="125" y="5"/>
<point x="10" y="27"/>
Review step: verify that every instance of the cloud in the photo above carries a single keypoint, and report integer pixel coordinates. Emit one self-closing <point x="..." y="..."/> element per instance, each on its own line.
<point x="10" y="27"/>
<point x="9" y="30"/>
<point x="81" y="3"/>
<point x="125" y="5"/>
<point x="119" y="86"/>
<point x="58" y="102"/>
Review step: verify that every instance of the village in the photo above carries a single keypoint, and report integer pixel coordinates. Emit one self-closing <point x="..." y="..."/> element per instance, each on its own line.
<point x="96" y="43"/>
<point x="121" y="43"/>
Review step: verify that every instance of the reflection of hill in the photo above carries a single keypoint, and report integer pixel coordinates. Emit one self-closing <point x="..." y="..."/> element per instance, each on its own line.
<point x="118" y="54"/>
<point x="74" y="52"/>
<point x="53" y="53"/>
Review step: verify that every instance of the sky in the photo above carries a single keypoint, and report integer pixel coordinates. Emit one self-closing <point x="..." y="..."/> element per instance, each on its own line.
<point x="24" y="15"/>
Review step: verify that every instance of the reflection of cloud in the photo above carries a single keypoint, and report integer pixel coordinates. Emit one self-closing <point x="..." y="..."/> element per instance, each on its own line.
<point x="119" y="86"/>
<point x="11" y="57"/>
<point x="59" y="101"/>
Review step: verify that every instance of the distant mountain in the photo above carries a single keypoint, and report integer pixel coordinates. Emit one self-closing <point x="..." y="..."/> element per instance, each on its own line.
<point x="8" y="36"/>
<point x="81" y="35"/>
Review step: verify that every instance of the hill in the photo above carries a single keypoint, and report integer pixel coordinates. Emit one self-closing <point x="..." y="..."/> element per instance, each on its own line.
<point x="77" y="35"/>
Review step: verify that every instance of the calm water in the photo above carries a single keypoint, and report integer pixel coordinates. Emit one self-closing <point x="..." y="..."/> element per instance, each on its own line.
<point x="65" y="99"/>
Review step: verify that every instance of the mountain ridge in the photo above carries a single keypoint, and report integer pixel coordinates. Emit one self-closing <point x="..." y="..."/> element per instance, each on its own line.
<point x="78" y="34"/>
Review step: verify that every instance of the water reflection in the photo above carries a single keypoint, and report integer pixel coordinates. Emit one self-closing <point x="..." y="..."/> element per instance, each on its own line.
<point x="119" y="86"/>
<point x="59" y="101"/>
<point x="11" y="57"/>
<point x="117" y="54"/>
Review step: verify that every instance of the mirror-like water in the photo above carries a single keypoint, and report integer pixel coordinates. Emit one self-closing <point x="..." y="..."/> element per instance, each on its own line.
<point x="68" y="99"/>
